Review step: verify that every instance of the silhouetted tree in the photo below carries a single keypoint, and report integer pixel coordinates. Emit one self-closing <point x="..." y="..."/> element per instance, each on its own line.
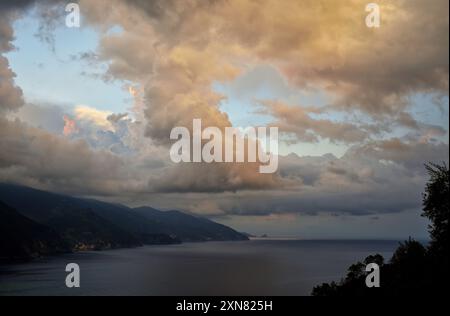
<point x="409" y="252"/>
<point x="355" y="271"/>
<point x="378" y="259"/>
<point x="436" y="208"/>
<point x="325" y="289"/>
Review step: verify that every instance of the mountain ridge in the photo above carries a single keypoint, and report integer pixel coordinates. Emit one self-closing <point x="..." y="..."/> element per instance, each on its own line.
<point x="189" y="227"/>
<point x="23" y="239"/>
<point x="89" y="224"/>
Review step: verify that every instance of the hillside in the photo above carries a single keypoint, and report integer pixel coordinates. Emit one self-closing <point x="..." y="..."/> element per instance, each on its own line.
<point x="93" y="224"/>
<point x="23" y="239"/>
<point x="188" y="227"/>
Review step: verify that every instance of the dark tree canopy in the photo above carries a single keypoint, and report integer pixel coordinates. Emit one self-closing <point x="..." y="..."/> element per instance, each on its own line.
<point x="436" y="208"/>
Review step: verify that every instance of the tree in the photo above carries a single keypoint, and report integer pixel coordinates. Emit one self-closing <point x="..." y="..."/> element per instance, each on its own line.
<point x="378" y="259"/>
<point x="409" y="253"/>
<point x="436" y="208"/>
<point x="355" y="271"/>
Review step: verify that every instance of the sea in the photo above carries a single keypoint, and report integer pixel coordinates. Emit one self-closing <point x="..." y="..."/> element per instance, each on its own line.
<point x="259" y="267"/>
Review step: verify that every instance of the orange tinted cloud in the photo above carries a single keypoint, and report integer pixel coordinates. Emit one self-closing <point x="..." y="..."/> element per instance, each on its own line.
<point x="70" y="126"/>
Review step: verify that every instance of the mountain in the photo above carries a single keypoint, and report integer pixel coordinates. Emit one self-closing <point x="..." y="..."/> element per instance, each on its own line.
<point x="77" y="223"/>
<point x="188" y="227"/>
<point x="86" y="223"/>
<point x="93" y="224"/>
<point x="23" y="239"/>
<point x="85" y="230"/>
<point x="145" y="230"/>
<point x="248" y="235"/>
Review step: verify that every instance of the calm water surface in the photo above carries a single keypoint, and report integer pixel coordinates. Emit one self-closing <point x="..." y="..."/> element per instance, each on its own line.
<point x="257" y="267"/>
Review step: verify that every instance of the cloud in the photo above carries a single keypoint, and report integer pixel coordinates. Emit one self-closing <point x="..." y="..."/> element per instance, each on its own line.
<point x="171" y="53"/>
<point x="34" y="156"/>
<point x="312" y="43"/>
<point x="365" y="181"/>
<point x="213" y="178"/>
<point x="8" y="5"/>
<point x="70" y="126"/>
<point x="299" y="121"/>
<point x="45" y="116"/>
<point x="116" y="117"/>
<point x="94" y="116"/>
<point x="6" y="32"/>
<point x="38" y="158"/>
<point x="11" y="96"/>
<point x="175" y="51"/>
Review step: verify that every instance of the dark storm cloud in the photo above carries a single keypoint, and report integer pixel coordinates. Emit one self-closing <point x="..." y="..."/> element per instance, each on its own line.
<point x="15" y="4"/>
<point x="365" y="181"/>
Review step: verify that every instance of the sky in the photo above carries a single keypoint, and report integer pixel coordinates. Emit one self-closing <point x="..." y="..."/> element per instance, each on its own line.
<point x="88" y="111"/>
